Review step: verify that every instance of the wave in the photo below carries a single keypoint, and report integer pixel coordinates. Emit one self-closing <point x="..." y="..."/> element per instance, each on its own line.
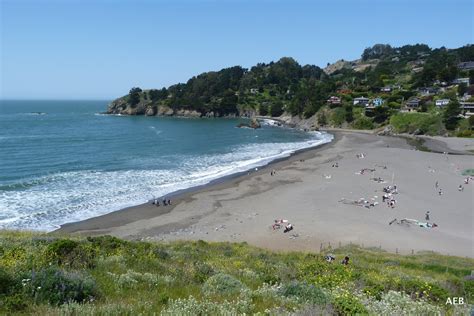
<point x="45" y="203"/>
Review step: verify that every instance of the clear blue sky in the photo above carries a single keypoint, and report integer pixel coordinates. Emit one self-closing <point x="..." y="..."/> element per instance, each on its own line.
<point x="100" y="49"/>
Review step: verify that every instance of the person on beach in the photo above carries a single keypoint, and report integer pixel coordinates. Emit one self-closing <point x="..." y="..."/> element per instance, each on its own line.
<point x="440" y="192"/>
<point x="466" y="181"/>
<point x="169" y="202"/>
<point x="436" y="184"/>
<point x="164" y="202"/>
<point x="427" y="216"/>
<point x="288" y="228"/>
<point x="460" y="188"/>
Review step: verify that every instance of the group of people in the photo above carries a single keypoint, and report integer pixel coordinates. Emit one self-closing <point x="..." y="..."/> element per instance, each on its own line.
<point x="278" y="223"/>
<point x="388" y="195"/>
<point x="165" y="202"/>
<point x="330" y="258"/>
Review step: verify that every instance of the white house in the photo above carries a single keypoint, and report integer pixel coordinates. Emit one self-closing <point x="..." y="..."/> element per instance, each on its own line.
<point x="442" y="102"/>
<point x="461" y="80"/>
<point x="361" y="101"/>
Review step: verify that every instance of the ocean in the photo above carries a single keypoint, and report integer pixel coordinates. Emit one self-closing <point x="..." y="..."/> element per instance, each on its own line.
<point x="63" y="161"/>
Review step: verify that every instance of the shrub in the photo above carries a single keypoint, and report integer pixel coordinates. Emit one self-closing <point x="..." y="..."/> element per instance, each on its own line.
<point x="107" y="244"/>
<point x="202" y="271"/>
<point x="421" y="123"/>
<point x="304" y="292"/>
<point x="191" y="307"/>
<point x="14" y="303"/>
<point x="57" y="287"/>
<point x="348" y="304"/>
<point x="422" y="289"/>
<point x="66" y="252"/>
<point x="363" y="123"/>
<point x="7" y="282"/>
<point x="396" y="303"/>
<point x="222" y="284"/>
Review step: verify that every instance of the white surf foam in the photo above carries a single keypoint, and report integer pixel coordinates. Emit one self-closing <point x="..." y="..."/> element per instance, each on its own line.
<point x="49" y="201"/>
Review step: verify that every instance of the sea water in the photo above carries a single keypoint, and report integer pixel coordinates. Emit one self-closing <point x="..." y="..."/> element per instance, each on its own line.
<point x="63" y="161"/>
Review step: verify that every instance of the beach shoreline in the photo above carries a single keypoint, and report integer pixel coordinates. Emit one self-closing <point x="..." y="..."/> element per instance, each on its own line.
<point x="307" y="191"/>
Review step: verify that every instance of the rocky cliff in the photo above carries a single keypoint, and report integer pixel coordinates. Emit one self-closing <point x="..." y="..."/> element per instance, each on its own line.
<point x="146" y="107"/>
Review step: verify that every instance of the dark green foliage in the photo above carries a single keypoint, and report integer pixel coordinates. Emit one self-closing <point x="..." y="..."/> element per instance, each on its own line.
<point x="303" y="91"/>
<point x="471" y="121"/>
<point x="59" y="250"/>
<point x="202" y="271"/>
<point x="462" y="88"/>
<point x="107" y="244"/>
<point x="14" y="303"/>
<point x="305" y="292"/>
<point x="451" y="115"/>
<point x="7" y="282"/>
<point x="276" y="109"/>
<point x="322" y="119"/>
<point x="222" y="284"/>
<point x="134" y="96"/>
<point x="349" y="305"/>
<point x="56" y="287"/>
<point x="381" y="114"/>
<point x="377" y="51"/>
<point x="349" y="114"/>
<point x="263" y="110"/>
<point x="363" y="123"/>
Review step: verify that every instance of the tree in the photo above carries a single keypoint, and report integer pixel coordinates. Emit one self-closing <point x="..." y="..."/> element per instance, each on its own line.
<point x="263" y="110"/>
<point x="471" y="121"/>
<point x="451" y="115"/>
<point x="322" y="119"/>
<point x="276" y="108"/>
<point x="462" y="88"/>
<point x="134" y="96"/>
<point x="348" y="113"/>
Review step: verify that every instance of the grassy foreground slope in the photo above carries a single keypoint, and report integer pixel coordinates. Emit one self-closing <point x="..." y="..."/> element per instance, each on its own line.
<point x="49" y="275"/>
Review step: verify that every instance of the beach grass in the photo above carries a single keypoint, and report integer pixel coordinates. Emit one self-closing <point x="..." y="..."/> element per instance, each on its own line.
<point x="70" y="275"/>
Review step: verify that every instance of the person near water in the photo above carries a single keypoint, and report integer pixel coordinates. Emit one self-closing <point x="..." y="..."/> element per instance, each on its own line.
<point x="427" y="216"/>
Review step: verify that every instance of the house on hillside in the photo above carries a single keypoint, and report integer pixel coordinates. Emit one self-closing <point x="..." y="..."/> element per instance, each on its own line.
<point x="334" y="100"/>
<point x="442" y="102"/>
<point x="467" y="108"/>
<point x="428" y="90"/>
<point x="413" y="103"/>
<point x="254" y="91"/>
<point x="361" y="101"/>
<point x="467" y="65"/>
<point x="377" y="102"/>
<point x="386" y="89"/>
<point x="461" y="80"/>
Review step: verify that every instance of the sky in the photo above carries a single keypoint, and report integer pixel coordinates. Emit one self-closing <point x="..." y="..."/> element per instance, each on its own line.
<point x="72" y="49"/>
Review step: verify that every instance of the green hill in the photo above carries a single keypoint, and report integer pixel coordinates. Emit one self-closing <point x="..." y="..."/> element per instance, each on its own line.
<point x="51" y="275"/>
<point x="392" y="74"/>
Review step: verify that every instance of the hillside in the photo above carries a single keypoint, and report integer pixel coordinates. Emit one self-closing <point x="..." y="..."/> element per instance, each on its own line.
<point x="410" y="78"/>
<point x="52" y="275"/>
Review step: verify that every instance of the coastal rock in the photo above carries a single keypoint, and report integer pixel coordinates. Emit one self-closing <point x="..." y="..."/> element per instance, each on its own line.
<point x="188" y="113"/>
<point x="164" y="111"/>
<point x="150" y="111"/>
<point x="254" y="123"/>
<point x="387" y="131"/>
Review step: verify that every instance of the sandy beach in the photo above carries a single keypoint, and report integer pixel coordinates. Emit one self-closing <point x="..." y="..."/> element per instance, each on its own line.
<point x="318" y="200"/>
